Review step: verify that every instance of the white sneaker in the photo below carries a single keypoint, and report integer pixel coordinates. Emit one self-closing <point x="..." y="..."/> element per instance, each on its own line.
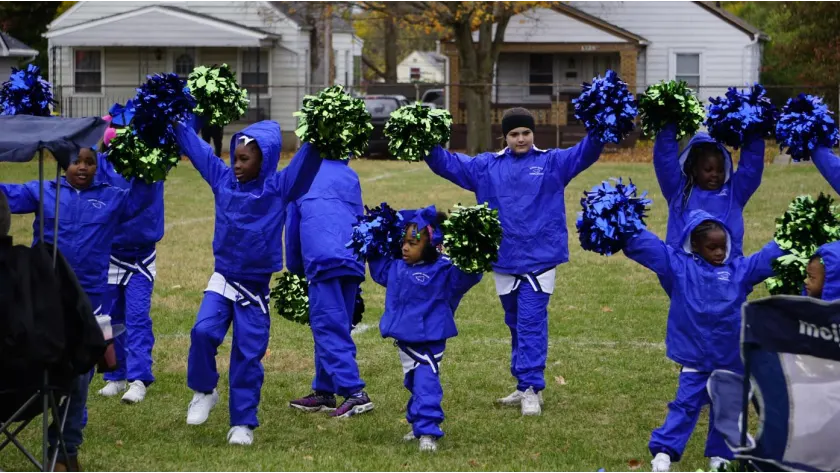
<point x="428" y="443"/>
<point x="661" y="462"/>
<point x="515" y="398"/>
<point x="240" y="435"/>
<point x="409" y="437"/>
<point x="718" y="463"/>
<point x="531" y="403"/>
<point x="200" y="407"/>
<point x="136" y="392"/>
<point x="112" y="388"/>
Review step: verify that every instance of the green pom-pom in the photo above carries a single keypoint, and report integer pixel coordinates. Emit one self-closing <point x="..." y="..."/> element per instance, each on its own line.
<point x="670" y="103"/>
<point x="413" y="130"/>
<point x="472" y="236"/>
<point x="132" y="158"/>
<point x="291" y="297"/>
<point x="335" y="123"/>
<point x="219" y="99"/>
<point x="805" y="226"/>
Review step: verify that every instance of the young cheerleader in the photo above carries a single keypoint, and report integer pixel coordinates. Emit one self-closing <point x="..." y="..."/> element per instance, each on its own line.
<point x="707" y="284"/>
<point x="823" y="273"/>
<point x="526" y="184"/>
<point x="703" y="177"/>
<point x="423" y="292"/>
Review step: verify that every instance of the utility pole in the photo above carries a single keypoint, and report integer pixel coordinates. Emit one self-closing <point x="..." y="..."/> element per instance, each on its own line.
<point x="327" y="44"/>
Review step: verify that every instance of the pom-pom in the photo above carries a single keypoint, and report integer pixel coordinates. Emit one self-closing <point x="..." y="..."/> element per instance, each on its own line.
<point x="805" y="226"/>
<point x="606" y="108"/>
<point x="26" y="93"/>
<point x="164" y="98"/>
<point x="291" y="297"/>
<point x="335" y="123"/>
<point x="378" y="233"/>
<point x="741" y="115"/>
<point x="806" y="124"/>
<point x="413" y="130"/>
<point x="610" y="216"/>
<point x="131" y="157"/>
<point x="670" y="103"/>
<point x="219" y="100"/>
<point x="358" y="309"/>
<point x="471" y="237"/>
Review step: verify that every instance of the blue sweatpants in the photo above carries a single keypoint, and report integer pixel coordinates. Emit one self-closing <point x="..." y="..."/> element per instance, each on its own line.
<point x="421" y="367"/>
<point x="331" y="304"/>
<point x="251" y="325"/>
<point x="682" y="417"/>
<point x="131" y="304"/>
<point x="526" y="314"/>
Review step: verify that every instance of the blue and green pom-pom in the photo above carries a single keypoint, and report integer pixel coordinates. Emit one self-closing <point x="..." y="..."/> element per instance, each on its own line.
<point x="471" y="238"/>
<point x="164" y="98"/>
<point x="378" y="233"/>
<point x="219" y="99"/>
<point x="413" y="130"/>
<point x="290" y="296"/>
<point x="337" y="124"/>
<point x="611" y="215"/>
<point x="806" y="124"/>
<point x="133" y="158"/>
<point x="607" y="108"/>
<point x="670" y="103"/>
<point x="741" y="115"/>
<point x="26" y="93"/>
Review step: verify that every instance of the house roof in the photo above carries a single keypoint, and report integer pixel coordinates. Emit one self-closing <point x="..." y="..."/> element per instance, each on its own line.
<point x="12" y="47"/>
<point x="734" y="20"/>
<point x="597" y="22"/>
<point x="298" y="12"/>
<point x="432" y="56"/>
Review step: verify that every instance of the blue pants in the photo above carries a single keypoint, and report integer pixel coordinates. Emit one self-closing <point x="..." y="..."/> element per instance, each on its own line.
<point x="131" y="304"/>
<point x="526" y="314"/>
<point x="331" y="305"/>
<point x="250" y="340"/>
<point x="682" y="417"/>
<point x="422" y="379"/>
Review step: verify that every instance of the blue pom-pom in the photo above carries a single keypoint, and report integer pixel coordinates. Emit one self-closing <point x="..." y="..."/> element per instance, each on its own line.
<point x="164" y="98"/>
<point x="805" y="125"/>
<point x="378" y="233"/>
<point x="610" y="216"/>
<point x="741" y="115"/>
<point x="26" y="93"/>
<point x="607" y="108"/>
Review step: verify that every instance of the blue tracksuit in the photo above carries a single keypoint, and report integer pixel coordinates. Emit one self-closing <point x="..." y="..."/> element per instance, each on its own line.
<point x="704" y="323"/>
<point x="247" y="247"/>
<point x="829" y="166"/>
<point x="420" y="304"/>
<point x="318" y="226"/>
<point x="131" y="280"/>
<point x="830" y="254"/>
<point x="726" y="203"/>
<point x="528" y="192"/>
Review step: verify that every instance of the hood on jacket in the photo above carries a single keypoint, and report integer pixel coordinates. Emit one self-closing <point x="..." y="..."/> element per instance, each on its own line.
<point x="422" y="218"/>
<point x="705" y="138"/>
<point x="830" y="254"/>
<point x="268" y="137"/>
<point x="696" y="218"/>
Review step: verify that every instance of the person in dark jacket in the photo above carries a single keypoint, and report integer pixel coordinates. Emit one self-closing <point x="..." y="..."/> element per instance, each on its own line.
<point x="213" y="133"/>
<point x="823" y="273"/>
<point x="423" y="290"/>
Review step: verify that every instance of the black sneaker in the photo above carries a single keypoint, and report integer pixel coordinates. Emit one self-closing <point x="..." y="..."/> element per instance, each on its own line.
<point x="358" y="403"/>
<point x="315" y="402"/>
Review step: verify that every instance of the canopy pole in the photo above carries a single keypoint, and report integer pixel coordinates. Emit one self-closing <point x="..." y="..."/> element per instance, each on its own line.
<point x="57" y="205"/>
<point x="41" y="195"/>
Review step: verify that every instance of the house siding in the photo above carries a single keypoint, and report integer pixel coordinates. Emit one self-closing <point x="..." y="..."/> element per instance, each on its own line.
<point x="543" y="25"/>
<point x="429" y="72"/>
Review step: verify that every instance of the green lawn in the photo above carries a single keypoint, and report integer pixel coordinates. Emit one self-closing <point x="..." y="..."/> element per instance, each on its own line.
<point x="608" y="381"/>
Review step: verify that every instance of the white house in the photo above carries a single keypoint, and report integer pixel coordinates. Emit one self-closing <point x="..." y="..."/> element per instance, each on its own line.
<point x="12" y="52"/>
<point x="101" y="51"/>
<point x="422" y="66"/>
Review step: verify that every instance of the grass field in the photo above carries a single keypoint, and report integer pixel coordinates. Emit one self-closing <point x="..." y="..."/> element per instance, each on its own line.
<point x="608" y="381"/>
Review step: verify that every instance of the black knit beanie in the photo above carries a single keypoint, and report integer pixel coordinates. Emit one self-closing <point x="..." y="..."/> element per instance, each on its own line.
<point x="517" y="117"/>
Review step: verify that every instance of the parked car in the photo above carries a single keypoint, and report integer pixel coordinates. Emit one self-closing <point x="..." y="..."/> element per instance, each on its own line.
<point x="434" y="97"/>
<point x="380" y="108"/>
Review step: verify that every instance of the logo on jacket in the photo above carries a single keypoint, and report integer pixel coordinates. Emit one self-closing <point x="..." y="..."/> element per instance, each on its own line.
<point x="723" y="193"/>
<point x="421" y="277"/>
<point x="96" y="203"/>
<point x="536" y="171"/>
<point x="723" y="276"/>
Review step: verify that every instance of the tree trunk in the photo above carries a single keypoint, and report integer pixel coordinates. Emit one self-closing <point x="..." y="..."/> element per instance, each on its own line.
<point x="390" y="46"/>
<point x="479" y="123"/>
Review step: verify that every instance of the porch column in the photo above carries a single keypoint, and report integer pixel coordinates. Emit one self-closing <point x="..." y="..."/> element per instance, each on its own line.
<point x="454" y="80"/>
<point x="627" y="68"/>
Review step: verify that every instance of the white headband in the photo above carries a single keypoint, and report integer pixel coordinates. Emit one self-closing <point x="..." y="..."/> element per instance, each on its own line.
<point x="245" y="140"/>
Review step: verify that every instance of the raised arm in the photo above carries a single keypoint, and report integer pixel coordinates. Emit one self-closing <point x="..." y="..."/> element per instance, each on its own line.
<point x="106" y="170"/>
<point x="291" y="240"/>
<point x="460" y="169"/>
<point x="747" y="178"/>
<point x="211" y="167"/>
<point x="666" y="161"/>
<point x="23" y="198"/>
<point x="578" y="158"/>
<point x="140" y="196"/>
<point x="759" y="266"/>
<point x="296" y="178"/>
<point x="461" y="282"/>
<point x="829" y="166"/>
<point x="379" y="267"/>
<point x="652" y="253"/>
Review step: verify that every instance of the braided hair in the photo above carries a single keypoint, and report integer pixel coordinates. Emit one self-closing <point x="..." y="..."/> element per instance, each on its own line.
<point x="700" y="231"/>
<point x="696" y="155"/>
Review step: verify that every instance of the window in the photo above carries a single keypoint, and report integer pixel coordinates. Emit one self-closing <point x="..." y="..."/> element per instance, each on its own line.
<point x="541" y="72"/>
<point x="184" y="62"/>
<point x="87" y="71"/>
<point x="688" y="69"/>
<point x="255" y="70"/>
<point x="414" y="74"/>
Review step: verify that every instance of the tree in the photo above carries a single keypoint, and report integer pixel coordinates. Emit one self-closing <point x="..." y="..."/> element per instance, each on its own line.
<point x="27" y="21"/>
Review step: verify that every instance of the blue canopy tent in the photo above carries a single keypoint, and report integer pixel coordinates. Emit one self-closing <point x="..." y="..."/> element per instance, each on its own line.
<point x="22" y="138"/>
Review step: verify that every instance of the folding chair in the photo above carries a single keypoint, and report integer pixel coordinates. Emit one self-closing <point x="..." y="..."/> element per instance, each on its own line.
<point x="790" y="346"/>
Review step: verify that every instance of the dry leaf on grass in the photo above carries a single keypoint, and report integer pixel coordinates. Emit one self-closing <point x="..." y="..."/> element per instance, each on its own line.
<point x="535" y="456"/>
<point x="473" y="462"/>
<point x="606" y="309"/>
<point x="308" y="457"/>
<point x="560" y="380"/>
<point x="320" y="427"/>
<point x="119" y="443"/>
<point x="634" y="464"/>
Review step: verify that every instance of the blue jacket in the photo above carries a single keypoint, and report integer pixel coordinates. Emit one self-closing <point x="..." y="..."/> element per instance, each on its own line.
<point x="528" y="191"/>
<point x="136" y="237"/>
<point x="247" y="243"/>
<point x="829" y="166"/>
<point x="830" y="254"/>
<point x="320" y="223"/>
<point x="420" y="299"/>
<point x="704" y="320"/>
<point x="726" y="204"/>
<point x="87" y="221"/>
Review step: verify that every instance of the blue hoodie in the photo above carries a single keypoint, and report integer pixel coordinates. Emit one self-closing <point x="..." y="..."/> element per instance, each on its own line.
<point x="704" y="319"/>
<point x="420" y="299"/>
<point x="138" y="236"/>
<point x="726" y="204"/>
<point x="829" y="166"/>
<point x="528" y="190"/>
<point x="87" y="221"/>
<point x="320" y="223"/>
<point x="830" y="254"/>
<point x="247" y="243"/>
